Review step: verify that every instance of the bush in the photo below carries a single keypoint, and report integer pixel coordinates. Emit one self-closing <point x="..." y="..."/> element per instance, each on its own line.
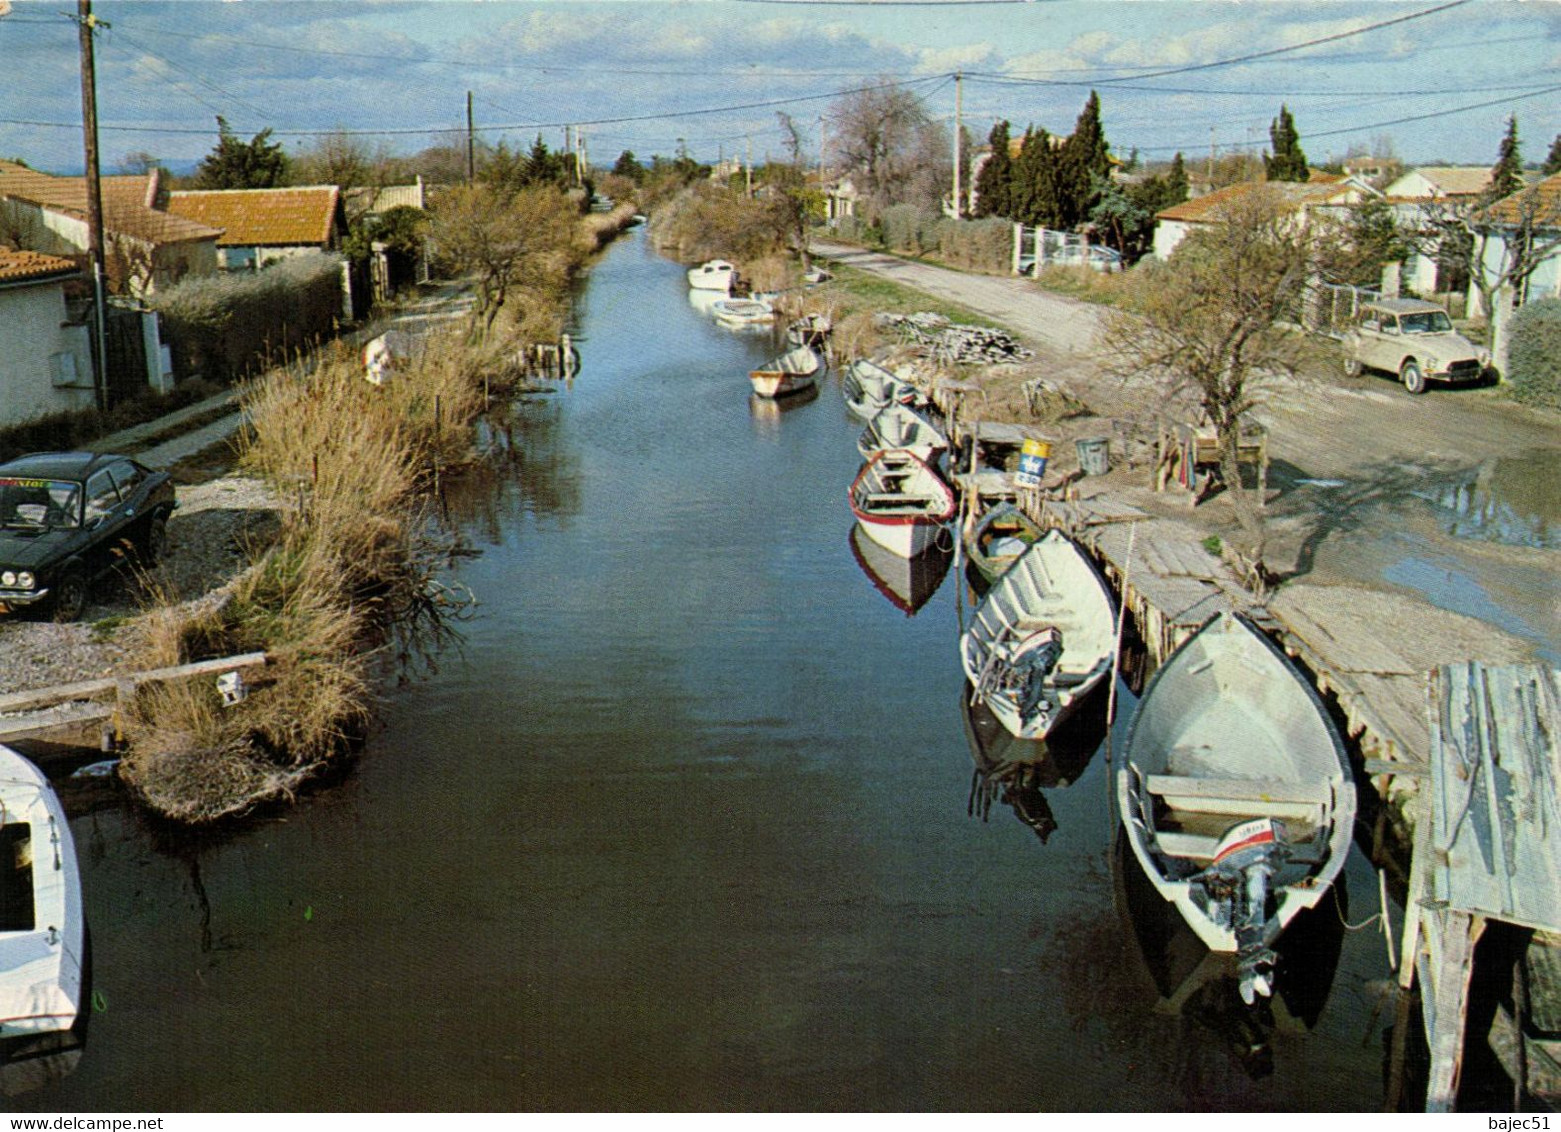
<point x="1534" y="353"/>
<point x="977" y="245"/>
<point x="705" y="221"/>
<point x="221" y="327"/>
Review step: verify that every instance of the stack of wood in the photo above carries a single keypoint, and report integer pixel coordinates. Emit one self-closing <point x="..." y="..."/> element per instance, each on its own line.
<point x="934" y="336"/>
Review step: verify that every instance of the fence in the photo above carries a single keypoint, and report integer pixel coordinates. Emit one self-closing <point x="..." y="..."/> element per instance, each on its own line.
<point x="1330" y="308"/>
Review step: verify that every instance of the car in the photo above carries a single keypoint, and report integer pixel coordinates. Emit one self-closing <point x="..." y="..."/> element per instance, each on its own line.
<point x="1095" y="256"/>
<point x="1415" y="340"/>
<point x="69" y="518"/>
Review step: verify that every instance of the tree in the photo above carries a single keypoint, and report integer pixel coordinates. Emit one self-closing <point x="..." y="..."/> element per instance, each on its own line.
<point x="795" y="204"/>
<point x="1083" y="166"/>
<point x="139" y="162"/>
<point x="1507" y="173"/>
<point x="351" y="164"/>
<point x="1211" y="327"/>
<point x="1034" y="187"/>
<point x="993" y="188"/>
<point x="627" y="166"/>
<point x="877" y="133"/>
<point x="1287" y="162"/>
<point x="512" y="245"/>
<point x="233" y="164"/>
<point x="1553" y="161"/>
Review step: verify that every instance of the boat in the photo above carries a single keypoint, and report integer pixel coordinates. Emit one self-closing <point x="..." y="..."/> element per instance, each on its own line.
<point x="41" y="916"/>
<point x="907" y="583"/>
<point x="995" y="540"/>
<point x="792" y="372"/>
<point x="869" y="388"/>
<point x="811" y="330"/>
<point x="1042" y="638"/>
<point x="741" y="314"/>
<point x="712" y="275"/>
<point x="1235" y="793"/>
<point x="903" y="428"/>
<point x="901" y="502"/>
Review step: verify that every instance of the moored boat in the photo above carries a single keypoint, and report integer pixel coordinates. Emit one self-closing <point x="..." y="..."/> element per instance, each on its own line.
<point x="908" y="583"/>
<point x="41" y="917"/>
<point x="901" y="502"/>
<point x="811" y="330"/>
<point x="994" y="541"/>
<point x="899" y="427"/>
<point x="1236" y="794"/>
<point x="742" y="313"/>
<point x="868" y="388"/>
<point x="712" y="275"/>
<point x="1042" y="638"/>
<point x="792" y="372"/>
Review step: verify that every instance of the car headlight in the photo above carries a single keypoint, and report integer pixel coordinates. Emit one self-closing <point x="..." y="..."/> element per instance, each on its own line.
<point x="26" y="580"/>
<point x="8" y="578"/>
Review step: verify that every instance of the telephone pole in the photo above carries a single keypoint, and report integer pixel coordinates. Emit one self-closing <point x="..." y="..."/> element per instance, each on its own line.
<point x="87" y="23"/>
<point x="471" y="142"/>
<point x="959" y="104"/>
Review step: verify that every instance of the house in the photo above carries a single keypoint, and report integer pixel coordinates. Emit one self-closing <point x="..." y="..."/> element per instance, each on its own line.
<point x="1419" y="198"/>
<point x="261" y="226"/>
<point x="366" y="200"/>
<point x="144" y="246"/>
<point x="1526" y="224"/>
<point x="840" y="201"/>
<point x="1320" y="196"/>
<point x="1440" y="182"/>
<point x="45" y="360"/>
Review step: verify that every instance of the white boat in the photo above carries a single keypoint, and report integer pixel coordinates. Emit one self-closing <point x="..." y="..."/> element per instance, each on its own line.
<point x="1042" y="638"/>
<point x="903" y="428"/>
<point x="868" y="388"/>
<point x="712" y="275"/>
<point x="901" y="503"/>
<point x="908" y="583"/>
<point x="41" y="916"/>
<point x="1235" y="793"/>
<point x="792" y="372"/>
<point x="742" y="313"/>
<point x="811" y="329"/>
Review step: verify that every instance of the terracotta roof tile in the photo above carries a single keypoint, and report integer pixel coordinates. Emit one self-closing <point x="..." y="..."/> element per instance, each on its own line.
<point x="1203" y="209"/>
<point x="263" y="217"/>
<point x="17" y="267"/>
<point x="124" y="204"/>
<point x="1538" y="204"/>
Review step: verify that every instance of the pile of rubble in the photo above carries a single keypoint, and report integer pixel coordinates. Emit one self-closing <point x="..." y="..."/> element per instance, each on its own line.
<point x="934" y="336"/>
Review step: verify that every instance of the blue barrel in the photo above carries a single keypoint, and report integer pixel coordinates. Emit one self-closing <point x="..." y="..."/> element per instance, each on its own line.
<point x="1032" y="463"/>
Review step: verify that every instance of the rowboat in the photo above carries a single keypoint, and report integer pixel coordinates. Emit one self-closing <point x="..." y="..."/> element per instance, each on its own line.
<point x="1042" y="638"/>
<point x="712" y="275"/>
<point x="902" y="428"/>
<point x="995" y="540"/>
<point x="792" y="372"/>
<point x="740" y="314"/>
<point x="1236" y="794"/>
<point x="868" y="388"/>
<point x="41" y="917"/>
<point x="810" y="330"/>
<point x="901" y="503"/>
<point x="908" y="583"/>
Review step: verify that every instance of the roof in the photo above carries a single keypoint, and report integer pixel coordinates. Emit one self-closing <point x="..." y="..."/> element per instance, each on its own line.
<point x="125" y="208"/>
<point x="1453" y="180"/>
<point x="263" y="217"/>
<point x="33" y="267"/>
<point x="1538" y="204"/>
<point x="1204" y="209"/>
<point x="1403" y="306"/>
<point x="387" y="197"/>
<point x="59" y="465"/>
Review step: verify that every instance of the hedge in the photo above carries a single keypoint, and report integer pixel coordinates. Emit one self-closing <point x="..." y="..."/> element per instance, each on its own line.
<point x="1534" y="353"/>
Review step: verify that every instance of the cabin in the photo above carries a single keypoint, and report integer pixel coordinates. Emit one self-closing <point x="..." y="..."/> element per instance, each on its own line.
<point x="263" y="226"/>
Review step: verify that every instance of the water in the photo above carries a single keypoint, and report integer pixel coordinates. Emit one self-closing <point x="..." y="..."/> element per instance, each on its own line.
<point x="689" y="822"/>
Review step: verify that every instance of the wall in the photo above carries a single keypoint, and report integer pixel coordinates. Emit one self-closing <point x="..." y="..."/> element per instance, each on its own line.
<point x="30" y="334"/>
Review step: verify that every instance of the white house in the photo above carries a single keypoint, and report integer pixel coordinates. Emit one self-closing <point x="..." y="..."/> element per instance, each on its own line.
<point x="45" y="362"/>
<point x="1527" y="223"/>
<point x="1322" y="194"/>
<point x="1419" y="193"/>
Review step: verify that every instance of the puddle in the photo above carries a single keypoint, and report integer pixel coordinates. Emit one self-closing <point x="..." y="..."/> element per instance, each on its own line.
<point x="1510" y="500"/>
<point x="1448" y="585"/>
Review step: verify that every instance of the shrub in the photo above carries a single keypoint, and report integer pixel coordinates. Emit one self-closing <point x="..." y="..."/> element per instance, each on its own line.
<point x="221" y="327"/>
<point x="1534" y="353"/>
<point x="705" y="221"/>
<point x="977" y="245"/>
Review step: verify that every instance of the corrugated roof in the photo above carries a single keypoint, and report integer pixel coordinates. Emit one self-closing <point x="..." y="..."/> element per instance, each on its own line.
<point x="263" y="217"/>
<point x="20" y="267"/>
<point x="125" y="210"/>
<point x="1538" y="204"/>
<point x="1203" y="209"/>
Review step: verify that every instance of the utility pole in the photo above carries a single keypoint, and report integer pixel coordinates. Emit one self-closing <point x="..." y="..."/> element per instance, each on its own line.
<point x="959" y="105"/>
<point x="1211" y="156"/>
<point x="748" y="165"/>
<point x="822" y="142"/>
<point x="86" y="24"/>
<point x="471" y="142"/>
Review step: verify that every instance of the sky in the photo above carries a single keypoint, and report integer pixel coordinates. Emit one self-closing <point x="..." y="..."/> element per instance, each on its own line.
<point x="1431" y="82"/>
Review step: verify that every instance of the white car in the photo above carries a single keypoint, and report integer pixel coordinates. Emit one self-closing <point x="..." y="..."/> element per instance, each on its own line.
<point x="1096" y="256"/>
<point x="1415" y="340"/>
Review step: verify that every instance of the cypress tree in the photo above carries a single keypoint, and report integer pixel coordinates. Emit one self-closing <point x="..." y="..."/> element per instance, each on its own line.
<point x="993" y="195"/>
<point x="1035" y="182"/>
<point x="1507" y="173"/>
<point x="1083" y="163"/>
<point x="1288" y="162"/>
<point x="1552" y="163"/>
<point x="1176" y="182"/>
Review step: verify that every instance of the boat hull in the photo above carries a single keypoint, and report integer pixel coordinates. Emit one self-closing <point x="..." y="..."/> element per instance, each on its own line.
<point x="780" y="384"/>
<point x="901" y="503"/>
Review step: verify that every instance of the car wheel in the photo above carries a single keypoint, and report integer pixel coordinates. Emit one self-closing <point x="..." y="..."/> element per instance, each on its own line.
<point x="70" y="596"/>
<point x="1413" y="379"/>
<point x="1351" y="366"/>
<point x="156" y="541"/>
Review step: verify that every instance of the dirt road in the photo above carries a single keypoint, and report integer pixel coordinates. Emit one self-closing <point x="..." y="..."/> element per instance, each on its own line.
<point x="1450" y="495"/>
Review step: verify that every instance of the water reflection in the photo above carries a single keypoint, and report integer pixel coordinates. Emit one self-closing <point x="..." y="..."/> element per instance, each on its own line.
<point x="1202" y="986"/>
<point x="1509" y="500"/>
<point x="1017" y="772"/>
<point x="768" y="411"/>
<point x="908" y="583"/>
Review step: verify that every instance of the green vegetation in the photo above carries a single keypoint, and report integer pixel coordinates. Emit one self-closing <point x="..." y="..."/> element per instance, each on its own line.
<point x="1534" y="355"/>
<point x="853" y="290"/>
<point x="64" y="432"/>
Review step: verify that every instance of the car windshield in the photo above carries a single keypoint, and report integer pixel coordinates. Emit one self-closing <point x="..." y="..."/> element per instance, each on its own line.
<point x="1425" y="322"/>
<point x="39" y="503"/>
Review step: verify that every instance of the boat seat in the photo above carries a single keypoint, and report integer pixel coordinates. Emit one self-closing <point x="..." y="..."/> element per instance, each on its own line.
<point x="1242" y="796"/>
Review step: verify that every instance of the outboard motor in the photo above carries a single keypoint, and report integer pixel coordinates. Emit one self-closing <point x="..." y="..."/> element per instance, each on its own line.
<point x="1245" y="860"/>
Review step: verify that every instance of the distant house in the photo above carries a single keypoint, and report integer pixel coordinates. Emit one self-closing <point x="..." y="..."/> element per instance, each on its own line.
<point x="45" y="360"/>
<point x="1526" y="224"/>
<point x="1419" y="197"/>
<point x="261" y="226"/>
<point x="144" y="246"/>
<point x="1322" y="195"/>
<point x="841" y="200"/>
<point x="366" y="200"/>
<point x="1439" y="182"/>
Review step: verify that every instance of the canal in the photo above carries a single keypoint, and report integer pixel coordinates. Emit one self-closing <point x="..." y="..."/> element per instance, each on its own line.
<point x="690" y="819"/>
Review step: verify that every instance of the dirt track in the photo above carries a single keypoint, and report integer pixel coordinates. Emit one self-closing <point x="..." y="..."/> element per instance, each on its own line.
<point x="1366" y="479"/>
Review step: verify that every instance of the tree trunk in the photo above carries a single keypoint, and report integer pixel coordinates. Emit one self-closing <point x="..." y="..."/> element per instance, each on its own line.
<point x="1249" y="506"/>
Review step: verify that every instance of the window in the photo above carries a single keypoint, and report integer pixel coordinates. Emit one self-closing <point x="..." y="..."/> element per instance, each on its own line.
<point x="101" y="496"/>
<point x="128" y="476"/>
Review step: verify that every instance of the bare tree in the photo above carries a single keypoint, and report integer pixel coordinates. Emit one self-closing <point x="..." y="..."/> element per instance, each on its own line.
<point x="515" y="246"/>
<point x="348" y="162"/>
<point x="1210" y="329"/>
<point x="877" y="135"/>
